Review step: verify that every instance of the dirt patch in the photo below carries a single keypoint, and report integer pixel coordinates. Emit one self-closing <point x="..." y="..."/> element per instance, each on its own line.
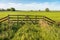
<point x="43" y="23"/>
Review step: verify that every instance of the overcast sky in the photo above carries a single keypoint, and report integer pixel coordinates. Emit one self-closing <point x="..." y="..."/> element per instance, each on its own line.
<point x="31" y="4"/>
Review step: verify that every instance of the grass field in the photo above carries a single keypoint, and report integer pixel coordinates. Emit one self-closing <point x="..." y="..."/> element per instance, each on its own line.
<point x="29" y="31"/>
<point x="53" y="15"/>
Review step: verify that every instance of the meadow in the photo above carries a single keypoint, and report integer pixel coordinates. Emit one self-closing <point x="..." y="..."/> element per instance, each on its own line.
<point x="55" y="15"/>
<point x="30" y="31"/>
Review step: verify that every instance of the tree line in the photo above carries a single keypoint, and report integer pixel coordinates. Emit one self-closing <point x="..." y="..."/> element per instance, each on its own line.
<point x="13" y="9"/>
<point x="8" y="9"/>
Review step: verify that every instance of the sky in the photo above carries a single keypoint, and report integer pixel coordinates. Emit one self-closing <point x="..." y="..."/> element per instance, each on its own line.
<point x="30" y="4"/>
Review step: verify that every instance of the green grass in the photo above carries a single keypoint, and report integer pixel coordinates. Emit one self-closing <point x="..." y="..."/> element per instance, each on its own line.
<point x="31" y="31"/>
<point x="53" y="15"/>
<point x="36" y="32"/>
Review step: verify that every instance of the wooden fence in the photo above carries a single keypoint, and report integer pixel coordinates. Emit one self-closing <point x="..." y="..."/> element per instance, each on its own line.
<point x="22" y="18"/>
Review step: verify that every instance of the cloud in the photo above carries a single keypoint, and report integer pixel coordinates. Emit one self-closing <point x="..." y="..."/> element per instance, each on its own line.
<point x="32" y="6"/>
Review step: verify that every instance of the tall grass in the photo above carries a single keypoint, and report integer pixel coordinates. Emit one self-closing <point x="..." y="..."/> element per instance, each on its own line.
<point x="36" y="32"/>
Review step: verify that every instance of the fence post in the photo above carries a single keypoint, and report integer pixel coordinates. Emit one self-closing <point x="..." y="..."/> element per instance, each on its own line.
<point x="28" y="19"/>
<point x="8" y="25"/>
<point x="35" y="19"/>
<point x="8" y="21"/>
<point x="17" y="20"/>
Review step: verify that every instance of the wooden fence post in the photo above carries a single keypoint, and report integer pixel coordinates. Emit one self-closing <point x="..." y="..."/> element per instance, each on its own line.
<point x="8" y="24"/>
<point x="36" y="19"/>
<point x="17" y="20"/>
<point x="8" y="21"/>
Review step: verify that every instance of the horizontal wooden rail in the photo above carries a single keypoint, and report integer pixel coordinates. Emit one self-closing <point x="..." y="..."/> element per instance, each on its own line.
<point x="48" y="19"/>
<point x="26" y="15"/>
<point x="49" y="22"/>
<point x="26" y="18"/>
<point x="3" y="18"/>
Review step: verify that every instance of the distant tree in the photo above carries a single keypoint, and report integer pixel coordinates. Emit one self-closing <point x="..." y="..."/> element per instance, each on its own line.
<point x="47" y="9"/>
<point x="12" y="9"/>
<point x="8" y="9"/>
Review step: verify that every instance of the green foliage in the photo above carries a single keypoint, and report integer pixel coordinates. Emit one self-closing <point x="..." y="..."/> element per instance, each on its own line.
<point x="50" y="33"/>
<point x="29" y="31"/>
<point x="12" y="9"/>
<point x="34" y="32"/>
<point x="47" y="10"/>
